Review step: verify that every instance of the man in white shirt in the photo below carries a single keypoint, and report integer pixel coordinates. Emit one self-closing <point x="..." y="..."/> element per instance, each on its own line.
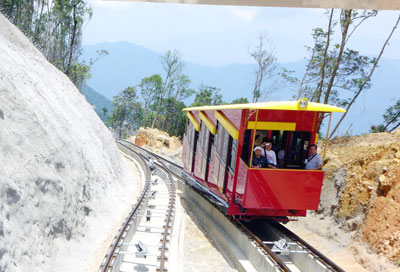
<point x="314" y="161"/>
<point x="268" y="153"/>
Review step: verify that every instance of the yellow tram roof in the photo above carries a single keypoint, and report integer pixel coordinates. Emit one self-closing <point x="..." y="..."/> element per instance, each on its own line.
<point x="278" y="105"/>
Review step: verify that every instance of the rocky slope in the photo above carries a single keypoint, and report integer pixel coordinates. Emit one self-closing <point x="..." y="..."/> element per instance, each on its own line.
<point x="160" y="142"/>
<point x="59" y="167"/>
<point x="360" y="202"/>
<point x="365" y="171"/>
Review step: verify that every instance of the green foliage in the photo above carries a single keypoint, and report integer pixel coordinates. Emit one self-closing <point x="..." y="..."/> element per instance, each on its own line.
<point x="241" y="100"/>
<point x="79" y="73"/>
<point x="127" y="113"/>
<point x="262" y="53"/>
<point x="99" y="102"/>
<point x="392" y="117"/>
<point x="333" y="69"/>
<point x="161" y="100"/>
<point x="377" y="129"/>
<point x="55" y="27"/>
<point x="207" y="95"/>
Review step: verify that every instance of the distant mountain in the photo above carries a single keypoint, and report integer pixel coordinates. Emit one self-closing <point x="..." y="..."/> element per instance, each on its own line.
<point x="128" y="63"/>
<point x="97" y="100"/>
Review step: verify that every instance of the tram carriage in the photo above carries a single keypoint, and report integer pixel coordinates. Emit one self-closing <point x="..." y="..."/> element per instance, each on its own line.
<point x="218" y="149"/>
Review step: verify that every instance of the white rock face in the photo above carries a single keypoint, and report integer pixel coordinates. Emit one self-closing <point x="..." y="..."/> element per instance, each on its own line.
<point x="60" y="171"/>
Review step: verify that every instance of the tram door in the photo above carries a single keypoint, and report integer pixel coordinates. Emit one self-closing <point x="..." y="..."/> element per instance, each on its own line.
<point x="204" y="151"/>
<point x="194" y="147"/>
<point x="192" y="136"/>
<point x="210" y="144"/>
<point x="297" y="143"/>
<point x="223" y="146"/>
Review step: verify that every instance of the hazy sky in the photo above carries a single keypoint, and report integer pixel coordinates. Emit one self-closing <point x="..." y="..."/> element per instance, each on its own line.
<point x="219" y="35"/>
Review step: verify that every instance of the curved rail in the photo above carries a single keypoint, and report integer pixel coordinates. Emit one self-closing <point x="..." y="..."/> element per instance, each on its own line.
<point x="169" y="217"/>
<point x="155" y="155"/>
<point x="111" y="255"/>
<point x="171" y="205"/>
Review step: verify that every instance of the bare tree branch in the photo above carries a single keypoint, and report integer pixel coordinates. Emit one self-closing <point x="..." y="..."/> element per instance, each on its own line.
<point x="361" y="88"/>
<point x="321" y="83"/>
<point x="347" y="14"/>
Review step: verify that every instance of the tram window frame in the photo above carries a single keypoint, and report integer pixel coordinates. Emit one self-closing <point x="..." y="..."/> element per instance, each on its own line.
<point x="233" y="154"/>
<point x="221" y="131"/>
<point x="187" y="126"/>
<point x="283" y="141"/>
<point x="224" y="153"/>
<point x="189" y="133"/>
<point x="246" y="146"/>
<point x="301" y="148"/>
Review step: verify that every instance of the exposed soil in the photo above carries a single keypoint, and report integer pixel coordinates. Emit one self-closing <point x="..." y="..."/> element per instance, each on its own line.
<point x="359" y="211"/>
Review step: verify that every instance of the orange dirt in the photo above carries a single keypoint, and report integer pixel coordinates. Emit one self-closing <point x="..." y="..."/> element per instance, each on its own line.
<point x="362" y="189"/>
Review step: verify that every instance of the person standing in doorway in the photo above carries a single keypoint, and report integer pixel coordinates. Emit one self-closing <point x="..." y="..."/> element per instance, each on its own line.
<point x="314" y="161"/>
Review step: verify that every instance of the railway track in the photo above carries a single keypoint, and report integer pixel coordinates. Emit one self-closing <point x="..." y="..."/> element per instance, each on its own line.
<point x="283" y="249"/>
<point x="146" y="213"/>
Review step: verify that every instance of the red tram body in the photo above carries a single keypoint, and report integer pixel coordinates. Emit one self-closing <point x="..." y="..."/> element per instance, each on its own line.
<point x="218" y="148"/>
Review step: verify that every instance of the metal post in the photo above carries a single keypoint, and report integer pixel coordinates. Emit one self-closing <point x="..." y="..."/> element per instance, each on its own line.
<point x="326" y="140"/>
<point x="254" y="138"/>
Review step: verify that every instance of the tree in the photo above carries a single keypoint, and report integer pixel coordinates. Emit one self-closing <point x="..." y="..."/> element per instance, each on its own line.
<point x="181" y="90"/>
<point x="336" y="74"/>
<point x="172" y="64"/>
<point x="105" y="110"/>
<point x="377" y="129"/>
<point x="240" y="100"/>
<point x="173" y="118"/>
<point x="127" y="111"/>
<point x="207" y="95"/>
<point x="332" y="67"/>
<point x="55" y="27"/>
<point x="150" y="87"/>
<point x="265" y="64"/>
<point x="392" y="117"/>
<point x="365" y="82"/>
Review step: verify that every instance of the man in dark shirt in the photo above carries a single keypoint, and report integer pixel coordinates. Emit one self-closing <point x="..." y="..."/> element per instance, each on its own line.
<point x="260" y="161"/>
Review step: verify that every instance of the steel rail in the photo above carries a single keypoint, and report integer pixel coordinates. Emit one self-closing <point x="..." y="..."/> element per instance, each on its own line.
<point x="168" y="219"/>
<point x="112" y="253"/>
<point x="270" y="253"/>
<point x="309" y="247"/>
<point x="171" y="205"/>
<point x="152" y="153"/>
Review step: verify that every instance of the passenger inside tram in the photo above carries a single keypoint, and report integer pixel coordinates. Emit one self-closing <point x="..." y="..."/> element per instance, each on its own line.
<point x="286" y="149"/>
<point x="260" y="161"/>
<point x="268" y="153"/>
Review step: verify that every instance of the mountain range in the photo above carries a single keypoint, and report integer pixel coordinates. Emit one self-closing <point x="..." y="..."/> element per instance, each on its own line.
<point x="128" y="63"/>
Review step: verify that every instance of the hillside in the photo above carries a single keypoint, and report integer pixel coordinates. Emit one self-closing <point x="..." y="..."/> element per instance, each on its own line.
<point x="360" y="202"/>
<point x="128" y="63"/>
<point x="59" y="166"/>
<point x="98" y="102"/>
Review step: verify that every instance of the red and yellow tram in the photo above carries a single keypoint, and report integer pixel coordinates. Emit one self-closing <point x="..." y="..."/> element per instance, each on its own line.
<point x="218" y="150"/>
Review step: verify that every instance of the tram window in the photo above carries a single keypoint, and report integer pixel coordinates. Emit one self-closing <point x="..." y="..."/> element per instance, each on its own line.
<point x="233" y="155"/>
<point x="246" y="145"/>
<point x="220" y="139"/>
<point x="204" y="138"/>
<point x="189" y="133"/>
<point x="290" y="147"/>
<point x="187" y="126"/>
<point x="299" y="143"/>
<point x="224" y="152"/>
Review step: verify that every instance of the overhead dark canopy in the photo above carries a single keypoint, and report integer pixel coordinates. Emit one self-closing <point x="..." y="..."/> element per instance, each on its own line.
<point x="353" y="4"/>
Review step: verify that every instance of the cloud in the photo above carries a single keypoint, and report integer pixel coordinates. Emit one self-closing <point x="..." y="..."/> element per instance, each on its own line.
<point x="245" y="14"/>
